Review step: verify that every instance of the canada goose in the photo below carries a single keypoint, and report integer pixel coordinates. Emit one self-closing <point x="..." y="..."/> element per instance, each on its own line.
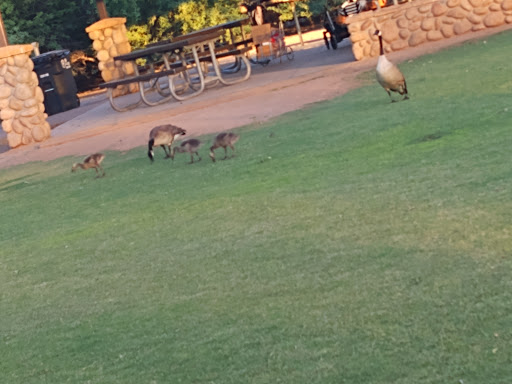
<point x="191" y="146"/>
<point x="224" y="140"/>
<point x="163" y="135"/>
<point x="92" y="161"/>
<point x="388" y="74"/>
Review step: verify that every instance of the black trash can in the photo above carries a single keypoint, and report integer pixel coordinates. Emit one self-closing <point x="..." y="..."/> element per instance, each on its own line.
<point x="56" y="81"/>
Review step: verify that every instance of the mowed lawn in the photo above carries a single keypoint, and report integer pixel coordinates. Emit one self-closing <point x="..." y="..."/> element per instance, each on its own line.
<point x="353" y="241"/>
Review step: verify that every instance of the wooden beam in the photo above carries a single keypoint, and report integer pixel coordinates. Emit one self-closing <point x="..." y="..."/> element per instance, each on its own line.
<point x="4" y="42"/>
<point x="292" y="4"/>
<point x="102" y="9"/>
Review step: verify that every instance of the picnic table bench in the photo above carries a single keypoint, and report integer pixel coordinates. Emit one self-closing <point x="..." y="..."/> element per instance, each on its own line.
<point x="231" y="48"/>
<point x="186" y="58"/>
<point x="170" y="72"/>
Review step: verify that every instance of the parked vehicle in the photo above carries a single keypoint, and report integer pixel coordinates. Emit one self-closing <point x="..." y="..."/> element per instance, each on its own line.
<point x="334" y="22"/>
<point x="336" y="28"/>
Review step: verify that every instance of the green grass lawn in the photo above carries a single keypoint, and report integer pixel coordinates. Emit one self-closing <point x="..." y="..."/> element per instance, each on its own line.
<point x="354" y="241"/>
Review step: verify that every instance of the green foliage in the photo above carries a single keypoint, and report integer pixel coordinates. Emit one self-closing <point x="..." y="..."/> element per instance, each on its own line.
<point x="139" y="36"/>
<point x="57" y="24"/>
<point x="353" y="241"/>
<point x="155" y="8"/>
<point x="197" y="14"/>
<point x="285" y="11"/>
<point x="317" y="7"/>
<point x="189" y="16"/>
<point x="52" y="23"/>
<point x="160" y="28"/>
<point x="125" y="8"/>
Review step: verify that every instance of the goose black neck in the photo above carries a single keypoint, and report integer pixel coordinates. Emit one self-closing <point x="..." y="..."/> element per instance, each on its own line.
<point x="381" y="47"/>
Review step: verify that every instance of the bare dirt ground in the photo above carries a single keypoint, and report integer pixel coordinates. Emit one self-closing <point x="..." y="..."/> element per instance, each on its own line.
<point x="315" y="74"/>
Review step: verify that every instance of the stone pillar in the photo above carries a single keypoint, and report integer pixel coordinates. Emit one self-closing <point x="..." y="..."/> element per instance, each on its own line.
<point x="110" y="39"/>
<point x="422" y="21"/>
<point x="21" y="99"/>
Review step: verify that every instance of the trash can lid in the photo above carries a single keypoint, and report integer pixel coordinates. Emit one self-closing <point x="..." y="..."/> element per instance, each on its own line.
<point x="51" y="56"/>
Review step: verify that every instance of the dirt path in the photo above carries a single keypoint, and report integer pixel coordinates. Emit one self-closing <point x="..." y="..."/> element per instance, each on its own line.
<point x="316" y="74"/>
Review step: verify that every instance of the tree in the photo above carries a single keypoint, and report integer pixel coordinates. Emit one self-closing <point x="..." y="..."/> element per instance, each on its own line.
<point x="125" y="8"/>
<point x="188" y="16"/>
<point x="156" y="8"/>
<point x="57" y="24"/>
<point x="53" y="24"/>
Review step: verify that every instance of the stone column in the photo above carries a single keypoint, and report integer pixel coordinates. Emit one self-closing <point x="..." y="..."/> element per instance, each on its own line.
<point x="110" y="39"/>
<point x="422" y="21"/>
<point x="21" y="98"/>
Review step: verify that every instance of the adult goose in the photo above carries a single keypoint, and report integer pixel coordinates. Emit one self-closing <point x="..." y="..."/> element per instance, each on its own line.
<point x="388" y="74"/>
<point x="163" y="135"/>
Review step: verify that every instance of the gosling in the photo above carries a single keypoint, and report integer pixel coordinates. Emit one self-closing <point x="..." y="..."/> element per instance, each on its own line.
<point x="163" y="135"/>
<point x="388" y="74"/>
<point x="92" y="161"/>
<point x="191" y="146"/>
<point x="224" y="140"/>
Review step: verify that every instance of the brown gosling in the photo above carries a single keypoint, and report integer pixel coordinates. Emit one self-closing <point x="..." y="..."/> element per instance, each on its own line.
<point x="224" y="140"/>
<point x="163" y="135"/>
<point x="388" y="74"/>
<point x="92" y="161"/>
<point x="191" y="146"/>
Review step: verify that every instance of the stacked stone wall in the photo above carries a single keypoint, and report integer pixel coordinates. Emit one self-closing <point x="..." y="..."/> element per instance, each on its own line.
<point x="421" y="21"/>
<point x="110" y="39"/>
<point x="21" y="98"/>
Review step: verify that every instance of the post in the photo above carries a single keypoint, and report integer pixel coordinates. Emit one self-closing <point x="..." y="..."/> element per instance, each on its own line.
<point x="102" y="10"/>
<point x="297" y="22"/>
<point x="4" y="42"/>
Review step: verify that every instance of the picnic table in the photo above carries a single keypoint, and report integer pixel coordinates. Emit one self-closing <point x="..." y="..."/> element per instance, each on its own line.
<point x="209" y="52"/>
<point x="172" y="69"/>
<point x="186" y="59"/>
<point x="227" y="26"/>
<point x="214" y="50"/>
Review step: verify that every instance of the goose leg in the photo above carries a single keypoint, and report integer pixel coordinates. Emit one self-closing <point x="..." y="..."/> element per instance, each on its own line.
<point x="225" y="153"/>
<point x="199" y="157"/>
<point x="232" y="150"/>
<point x="167" y="152"/>
<point x="406" y="94"/>
<point x="391" y="97"/>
